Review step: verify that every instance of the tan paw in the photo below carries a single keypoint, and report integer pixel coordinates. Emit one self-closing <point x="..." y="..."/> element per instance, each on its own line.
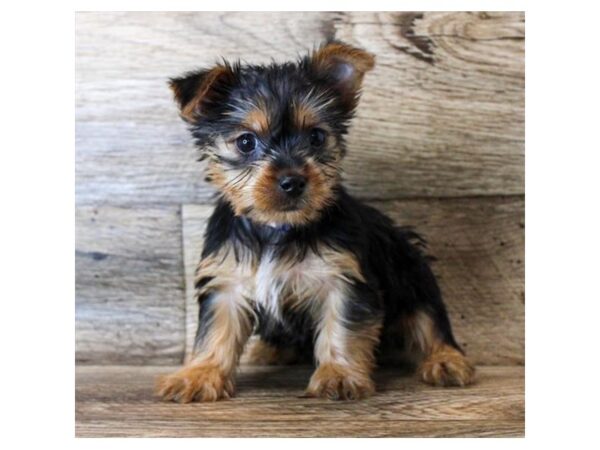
<point x="447" y="366"/>
<point x="336" y="382"/>
<point x="195" y="383"/>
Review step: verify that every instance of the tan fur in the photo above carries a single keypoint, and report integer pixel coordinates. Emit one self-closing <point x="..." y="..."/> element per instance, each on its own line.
<point x="257" y="120"/>
<point x="338" y="382"/>
<point x="261" y="353"/>
<point x="267" y="200"/>
<point x="442" y="365"/>
<point x="345" y="357"/>
<point x="361" y="61"/>
<point x="226" y="273"/>
<point x="232" y="313"/>
<point x="227" y="334"/>
<point x="305" y="116"/>
<point x="254" y="192"/>
<point x="206" y="383"/>
<point x="352" y="349"/>
<point x="208" y="375"/>
<point x="346" y="263"/>
<point x="419" y="332"/>
<point x="192" y="109"/>
<point x="361" y="345"/>
<point x="446" y="366"/>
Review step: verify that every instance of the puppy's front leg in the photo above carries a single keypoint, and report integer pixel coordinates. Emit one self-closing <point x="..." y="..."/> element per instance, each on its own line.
<point x="347" y="333"/>
<point x="224" y="327"/>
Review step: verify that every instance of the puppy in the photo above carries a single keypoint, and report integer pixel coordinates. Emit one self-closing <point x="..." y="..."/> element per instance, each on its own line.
<point x="288" y="253"/>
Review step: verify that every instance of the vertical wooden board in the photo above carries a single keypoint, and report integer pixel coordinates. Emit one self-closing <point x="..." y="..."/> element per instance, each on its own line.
<point x="129" y="286"/>
<point x="479" y="246"/>
<point x="131" y="146"/>
<point x="194" y="218"/>
<point x="442" y="113"/>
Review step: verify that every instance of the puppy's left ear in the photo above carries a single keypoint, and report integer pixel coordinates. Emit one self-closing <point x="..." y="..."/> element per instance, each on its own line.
<point x="344" y="66"/>
<point x="196" y="92"/>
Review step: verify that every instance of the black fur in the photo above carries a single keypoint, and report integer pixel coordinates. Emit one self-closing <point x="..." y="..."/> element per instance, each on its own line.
<point x="277" y="85"/>
<point x="399" y="281"/>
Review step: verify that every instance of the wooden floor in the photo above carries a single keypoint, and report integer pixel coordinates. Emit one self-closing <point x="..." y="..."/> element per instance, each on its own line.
<point x="118" y="401"/>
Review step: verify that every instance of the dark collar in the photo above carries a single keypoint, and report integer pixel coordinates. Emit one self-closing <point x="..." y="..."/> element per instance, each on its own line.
<point x="283" y="228"/>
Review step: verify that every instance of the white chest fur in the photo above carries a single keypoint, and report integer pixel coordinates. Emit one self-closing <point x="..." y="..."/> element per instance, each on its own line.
<point x="297" y="285"/>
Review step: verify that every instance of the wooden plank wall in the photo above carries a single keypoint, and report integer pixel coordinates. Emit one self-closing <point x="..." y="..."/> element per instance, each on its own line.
<point x="438" y="143"/>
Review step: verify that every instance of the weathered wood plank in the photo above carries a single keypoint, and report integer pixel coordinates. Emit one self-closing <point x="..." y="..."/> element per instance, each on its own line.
<point x="118" y="401"/>
<point x="452" y="126"/>
<point x="129" y="287"/>
<point x="479" y="246"/>
<point x="194" y="218"/>
<point x="443" y="112"/>
<point x="324" y="428"/>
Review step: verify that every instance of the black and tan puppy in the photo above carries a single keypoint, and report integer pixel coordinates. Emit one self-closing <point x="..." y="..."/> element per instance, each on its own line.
<point x="288" y="254"/>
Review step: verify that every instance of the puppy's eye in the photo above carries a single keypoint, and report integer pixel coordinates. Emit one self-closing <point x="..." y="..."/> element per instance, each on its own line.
<point x="317" y="137"/>
<point x="246" y="143"/>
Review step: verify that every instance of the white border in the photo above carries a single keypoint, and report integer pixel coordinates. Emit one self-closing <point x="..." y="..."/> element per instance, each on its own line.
<point x="562" y="223"/>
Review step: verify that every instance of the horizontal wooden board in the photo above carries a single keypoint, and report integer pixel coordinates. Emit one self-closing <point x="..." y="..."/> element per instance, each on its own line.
<point x="479" y="245"/>
<point x="442" y="113"/>
<point x="118" y="401"/>
<point x="129" y="286"/>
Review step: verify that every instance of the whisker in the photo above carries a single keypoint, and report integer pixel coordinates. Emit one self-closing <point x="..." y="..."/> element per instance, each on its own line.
<point x="234" y="181"/>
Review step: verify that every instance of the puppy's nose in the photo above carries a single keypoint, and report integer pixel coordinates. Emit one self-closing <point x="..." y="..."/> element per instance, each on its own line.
<point x="292" y="185"/>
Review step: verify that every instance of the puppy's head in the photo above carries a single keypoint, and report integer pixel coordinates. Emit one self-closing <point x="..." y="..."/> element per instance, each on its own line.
<point x="274" y="135"/>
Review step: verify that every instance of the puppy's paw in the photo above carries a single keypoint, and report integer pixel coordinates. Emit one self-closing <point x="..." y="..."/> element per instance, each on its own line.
<point x="195" y="383"/>
<point x="447" y="366"/>
<point x="336" y="382"/>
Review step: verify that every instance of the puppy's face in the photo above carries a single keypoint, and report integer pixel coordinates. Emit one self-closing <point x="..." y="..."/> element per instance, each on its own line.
<point x="274" y="135"/>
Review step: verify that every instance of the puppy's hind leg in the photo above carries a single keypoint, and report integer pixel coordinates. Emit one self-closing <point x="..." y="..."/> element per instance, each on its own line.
<point x="260" y="352"/>
<point x="443" y="363"/>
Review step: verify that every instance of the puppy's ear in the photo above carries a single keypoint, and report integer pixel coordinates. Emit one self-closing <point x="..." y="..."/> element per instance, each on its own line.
<point x="196" y="92"/>
<point x="343" y="65"/>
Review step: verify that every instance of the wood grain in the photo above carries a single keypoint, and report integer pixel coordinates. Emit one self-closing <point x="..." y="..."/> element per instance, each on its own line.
<point x="128" y="284"/>
<point x="479" y="246"/>
<point x="442" y="113"/>
<point x="118" y="401"/>
<point x="194" y="219"/>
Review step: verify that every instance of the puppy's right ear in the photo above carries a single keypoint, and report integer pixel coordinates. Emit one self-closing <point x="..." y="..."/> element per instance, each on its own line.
<point x="196" y="92"/>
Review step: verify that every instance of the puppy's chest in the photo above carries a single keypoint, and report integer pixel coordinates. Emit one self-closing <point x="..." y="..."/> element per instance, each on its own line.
<point x="281" y="285"/>
<point x="278" y="284"/>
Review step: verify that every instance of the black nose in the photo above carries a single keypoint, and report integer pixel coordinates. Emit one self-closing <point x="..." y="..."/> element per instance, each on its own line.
<point x="292" y="185"/>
